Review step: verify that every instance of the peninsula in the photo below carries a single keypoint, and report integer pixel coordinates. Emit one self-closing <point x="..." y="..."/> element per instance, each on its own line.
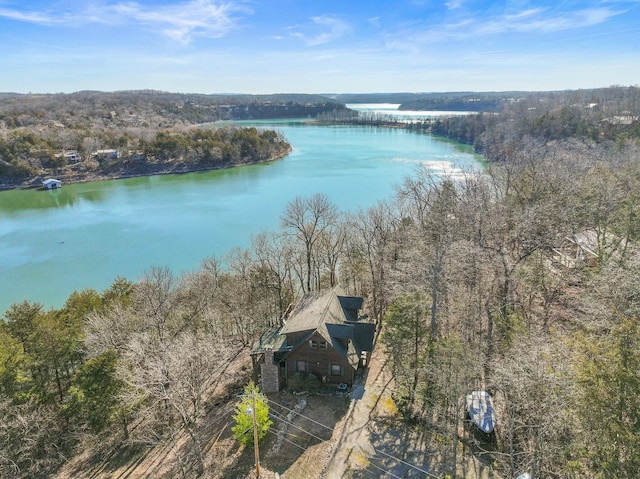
<point x="88" y="136"/>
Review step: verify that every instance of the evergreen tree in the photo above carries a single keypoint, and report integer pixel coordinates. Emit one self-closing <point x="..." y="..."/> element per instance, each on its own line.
<point x="252" y="401"/>
<point x="610" y="408"/>
<point x="94" y="390"/>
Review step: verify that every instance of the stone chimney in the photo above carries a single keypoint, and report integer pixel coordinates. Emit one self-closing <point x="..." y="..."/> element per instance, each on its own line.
<point x="269" y="373"/>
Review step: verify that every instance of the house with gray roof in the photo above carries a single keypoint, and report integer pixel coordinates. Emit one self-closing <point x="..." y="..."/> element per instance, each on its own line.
<point x="323" y="336"/>
<point x="51" y="184"/>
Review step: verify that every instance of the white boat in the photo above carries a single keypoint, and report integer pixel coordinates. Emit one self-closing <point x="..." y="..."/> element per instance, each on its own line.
<point x="481" y="411"/>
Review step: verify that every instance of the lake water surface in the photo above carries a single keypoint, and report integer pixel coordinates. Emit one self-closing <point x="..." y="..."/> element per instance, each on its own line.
<point x="85" y="235"/>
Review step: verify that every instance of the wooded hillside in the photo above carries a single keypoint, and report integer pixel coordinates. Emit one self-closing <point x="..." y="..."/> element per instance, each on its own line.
<point x="67" y="135"/>
<point x="521" y="280"/>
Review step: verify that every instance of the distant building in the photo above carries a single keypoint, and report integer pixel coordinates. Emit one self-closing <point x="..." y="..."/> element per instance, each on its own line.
<point x="51" y="183"/>
<point x="106" y="154"/>
<point x="624" y="119"/>
<point x="580" y="249"/>
<point x="72" y="156"/>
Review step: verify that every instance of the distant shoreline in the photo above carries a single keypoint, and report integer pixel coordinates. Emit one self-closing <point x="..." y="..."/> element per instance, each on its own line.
<point x="161" y="169"/>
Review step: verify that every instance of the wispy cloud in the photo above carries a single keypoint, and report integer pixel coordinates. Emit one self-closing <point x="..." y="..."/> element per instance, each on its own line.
<point x="40" y="18"/>
<point x="532" y="20"/>
<point x="179" y="21"/>
<point x="375" y="21"/>
<point x="183" y="21"/>
<point x="453" y="4"/>
<point x="324" y="29"/>
<point x="538" y="20"/>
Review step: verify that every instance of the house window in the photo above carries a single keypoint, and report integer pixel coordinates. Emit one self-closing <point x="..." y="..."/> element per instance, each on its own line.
<point x="336" y="370"/>
<point x="301" y="366"/>
<point x="322" y="345"/>
<point x="313" y="344"/>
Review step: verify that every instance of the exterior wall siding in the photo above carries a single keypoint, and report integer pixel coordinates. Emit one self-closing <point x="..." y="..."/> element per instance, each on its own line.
<point x="319" y="362"/>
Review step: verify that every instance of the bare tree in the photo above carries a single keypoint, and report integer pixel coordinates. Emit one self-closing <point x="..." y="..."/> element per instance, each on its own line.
<point x="536" y="403"/>
<point x="274" y="257"/>
<point x="197" y="293"/>
<point x="180" y="376"/>
<point x="542" y="285"/>
<point x="307" y="220"/>
<point x="32" y="440"/>
<point x="155" y="302"/>
<point x="368" y="247"/>
<point x="242" y="308"/>
<point x="407" y="338"/>
<point x="331" y="250"/>
<point x="431" y="203"/>
<point x="110" y="329"/>
<point x="609" y="206"/>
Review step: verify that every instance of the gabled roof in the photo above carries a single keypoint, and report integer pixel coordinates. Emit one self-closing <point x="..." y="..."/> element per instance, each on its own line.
<point x="339" y="331"/>
<point x="587" y="241"/>
<point x="50" y="180"/>
<point x="271" y="339"/>
<point x="363" y="335"/>
<point x="309" y="313"/>
<point x="322" y="307"/>
<point x="350" y="306"/>
<point x="331" y="315"/>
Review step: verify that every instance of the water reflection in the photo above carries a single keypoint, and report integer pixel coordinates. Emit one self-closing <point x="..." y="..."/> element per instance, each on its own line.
<point x="18" y="201"/>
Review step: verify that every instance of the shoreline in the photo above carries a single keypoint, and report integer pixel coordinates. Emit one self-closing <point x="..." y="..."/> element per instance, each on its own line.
<point x="35" y="184"/>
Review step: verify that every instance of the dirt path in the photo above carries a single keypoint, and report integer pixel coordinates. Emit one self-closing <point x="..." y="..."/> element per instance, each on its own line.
<point x="371" y="400"/>
<point x="373" y="440"/>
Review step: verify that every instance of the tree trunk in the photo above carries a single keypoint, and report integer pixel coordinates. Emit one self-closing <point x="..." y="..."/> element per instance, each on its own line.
<point x="489" y="356"/>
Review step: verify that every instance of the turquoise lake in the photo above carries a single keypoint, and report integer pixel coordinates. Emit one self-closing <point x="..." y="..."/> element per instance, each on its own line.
<point x="85" y="235"/>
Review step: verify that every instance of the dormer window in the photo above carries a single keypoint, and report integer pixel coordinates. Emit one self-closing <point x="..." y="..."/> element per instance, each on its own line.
<point x="322" y="345"/>
<point x="313" y="344"/>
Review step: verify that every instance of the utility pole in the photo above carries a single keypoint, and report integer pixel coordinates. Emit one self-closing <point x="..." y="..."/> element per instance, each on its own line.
<point x="255" y="435"/>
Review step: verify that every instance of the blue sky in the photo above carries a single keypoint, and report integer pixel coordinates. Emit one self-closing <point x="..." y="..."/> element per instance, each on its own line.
<point x="317" y="46"/>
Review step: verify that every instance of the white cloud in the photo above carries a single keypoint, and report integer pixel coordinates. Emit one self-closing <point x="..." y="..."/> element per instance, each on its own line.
<point x="183" y="21"/>
<point x="375" y="21"/>
<point x="454" y="4"/>
<point x="325" y="29"/>
<point x="178" y="21"/>
<point x="536" y="20"/>
<point x="41" y="18"/>
<point x="474" y="26"/>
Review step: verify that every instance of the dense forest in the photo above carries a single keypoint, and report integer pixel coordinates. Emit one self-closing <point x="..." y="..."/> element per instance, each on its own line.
<point x="521" y="280"/>
<point x="590" y="117"/>
<point x="77" y="136"/>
